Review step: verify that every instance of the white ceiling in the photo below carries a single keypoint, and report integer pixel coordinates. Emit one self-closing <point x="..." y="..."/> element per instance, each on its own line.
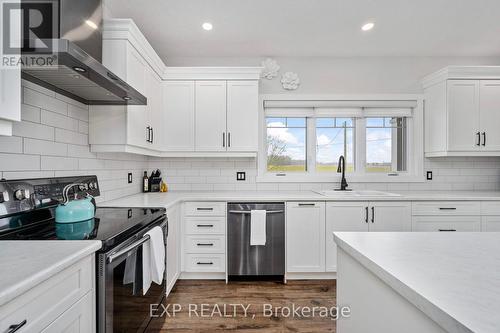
<point x="256" y="28"/>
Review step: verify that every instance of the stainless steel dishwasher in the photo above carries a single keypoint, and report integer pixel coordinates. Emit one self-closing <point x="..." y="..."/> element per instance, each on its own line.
<point x="246" y="260"/>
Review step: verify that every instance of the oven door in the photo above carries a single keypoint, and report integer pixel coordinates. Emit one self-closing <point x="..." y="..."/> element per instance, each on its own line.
<point x="121" y="305"/>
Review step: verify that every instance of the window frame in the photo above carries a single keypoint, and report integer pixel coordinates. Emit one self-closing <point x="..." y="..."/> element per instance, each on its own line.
<point x="415" y="143"/>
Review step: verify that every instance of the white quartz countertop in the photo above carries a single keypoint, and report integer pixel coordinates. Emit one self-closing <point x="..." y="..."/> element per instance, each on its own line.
<point x="25" y="264"/>
<point x="454" y="278"/>
<point x="171" y="198"/>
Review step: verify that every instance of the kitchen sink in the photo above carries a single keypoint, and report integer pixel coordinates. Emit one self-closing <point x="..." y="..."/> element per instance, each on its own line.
<point x="361" y="193"/>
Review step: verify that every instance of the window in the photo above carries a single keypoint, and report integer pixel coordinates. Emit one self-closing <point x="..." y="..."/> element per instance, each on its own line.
<point x="386" y="140"/>
<point x="286" y="144"/>
<point x="303" y="140"/>
<point x="334" y="137"/>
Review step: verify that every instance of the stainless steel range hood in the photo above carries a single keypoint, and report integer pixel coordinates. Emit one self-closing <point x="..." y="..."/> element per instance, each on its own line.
<point x="77" y="72"/>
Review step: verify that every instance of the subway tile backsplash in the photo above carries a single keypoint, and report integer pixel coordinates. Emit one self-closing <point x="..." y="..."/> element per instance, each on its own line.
<point x="52" y="140"/>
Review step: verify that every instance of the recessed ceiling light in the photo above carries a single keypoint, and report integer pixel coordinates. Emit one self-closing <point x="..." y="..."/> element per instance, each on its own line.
<point x="368" y="26"/>
<point x="207" y="26"/>
<point x="91" y="24"/>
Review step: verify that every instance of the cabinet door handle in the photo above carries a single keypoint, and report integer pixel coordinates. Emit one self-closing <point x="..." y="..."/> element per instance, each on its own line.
<point x="148" y="133"/>
<point x="152" y="134"/>
<point x="205" y="244"/>
<point x="447" y="208"/>
<point x="223" y="139"/>
<point x="447" y="230"/>
<point x="205" y="209"/>
<point x="306" y="204"/>
<point x="204" y="263"/>
<point x="373" y="214"/>
<point x="366" y="217"/>
<point x="205" y="225"/>
<point x="16" y="327"/>
<point x="478" y="134"/>
<point x="484" y="139"/>
<point x="229" y="139"/>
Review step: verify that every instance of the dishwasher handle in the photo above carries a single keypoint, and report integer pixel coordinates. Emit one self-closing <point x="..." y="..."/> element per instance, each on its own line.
<point x="249" y="211"/>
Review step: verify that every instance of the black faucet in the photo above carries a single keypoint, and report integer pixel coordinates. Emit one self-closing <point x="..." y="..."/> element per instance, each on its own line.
<point x="341" y="169"/>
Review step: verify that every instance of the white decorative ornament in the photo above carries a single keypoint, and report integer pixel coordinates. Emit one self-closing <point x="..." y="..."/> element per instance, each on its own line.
<point x="271" y="68"/>
<point x="290" y="81"/>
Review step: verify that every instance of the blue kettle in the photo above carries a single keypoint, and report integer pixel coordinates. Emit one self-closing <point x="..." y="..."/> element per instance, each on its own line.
<point x="75" y="210"/>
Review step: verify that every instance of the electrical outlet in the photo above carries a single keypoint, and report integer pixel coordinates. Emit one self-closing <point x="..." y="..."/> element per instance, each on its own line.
<point x="130" y="177"/>
<point x="240" y="176"/>
<point x="429" y="175"/>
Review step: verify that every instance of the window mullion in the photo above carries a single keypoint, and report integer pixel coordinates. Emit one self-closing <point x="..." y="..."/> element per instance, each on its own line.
<point x="360" y="145"/>
<point x="311" y="145"/>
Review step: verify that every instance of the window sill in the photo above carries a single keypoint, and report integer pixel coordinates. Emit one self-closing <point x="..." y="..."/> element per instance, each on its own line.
<point x="334" y="178"/>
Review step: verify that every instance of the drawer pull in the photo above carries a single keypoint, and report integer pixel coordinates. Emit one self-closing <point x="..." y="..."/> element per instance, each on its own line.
<point x="205" y="208"/>
<point x="204" y="263"/>
<point x="447" y="230"/>
<point x="306" y="205"/>
<point x="447" y="208"/>
<point x="205" y="225"/>
<point x="15" y="328"/>
<point x="205" y="244"/>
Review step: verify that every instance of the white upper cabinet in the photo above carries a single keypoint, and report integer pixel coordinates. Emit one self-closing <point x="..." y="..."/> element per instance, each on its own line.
<point x="10" y="99"/>
<point x="490" y="115"/>
<point x="463" y="101"/>
<point x="461" y="112"/>
<point x="211" y="117"/>
<point x="210" y="123"/>
<point x="178" y="106"/>
<point x="242" y="115"/>
<point x="130" y="128"/>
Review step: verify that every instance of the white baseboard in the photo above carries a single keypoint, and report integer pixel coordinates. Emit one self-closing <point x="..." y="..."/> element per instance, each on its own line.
<point x="311" y="276"/>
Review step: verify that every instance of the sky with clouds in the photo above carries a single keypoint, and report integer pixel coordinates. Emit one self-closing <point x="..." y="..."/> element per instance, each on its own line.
<point x="330" y="143"/>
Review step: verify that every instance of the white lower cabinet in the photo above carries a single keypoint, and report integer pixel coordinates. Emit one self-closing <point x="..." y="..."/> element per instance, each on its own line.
<point x="305" y="237"/>
<point x="363" y="216"/>
<point x="446" y="216"/>
<point x="63" y="303"/>
<point x="173" y="246"/>
<point x="204" y="240"/>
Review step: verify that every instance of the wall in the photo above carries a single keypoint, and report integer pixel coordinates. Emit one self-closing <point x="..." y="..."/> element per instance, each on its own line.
<point x="337" y="75"/>
<point x="52" y="141"/>
<point x="355" y="75"/>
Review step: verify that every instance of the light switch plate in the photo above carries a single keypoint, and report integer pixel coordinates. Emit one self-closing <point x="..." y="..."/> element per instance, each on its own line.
<point x="241" y="176"/>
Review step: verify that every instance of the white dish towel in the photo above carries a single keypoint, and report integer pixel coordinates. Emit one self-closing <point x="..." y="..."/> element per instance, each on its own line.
<point x="258" y="227"/>
<point x="153" y="259"/>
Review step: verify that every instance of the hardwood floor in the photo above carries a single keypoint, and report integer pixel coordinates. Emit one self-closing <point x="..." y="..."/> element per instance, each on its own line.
<point x="317" y="294"/>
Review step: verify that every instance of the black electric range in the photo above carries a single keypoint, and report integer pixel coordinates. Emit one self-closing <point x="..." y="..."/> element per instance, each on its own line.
<point x="27" y="212"/>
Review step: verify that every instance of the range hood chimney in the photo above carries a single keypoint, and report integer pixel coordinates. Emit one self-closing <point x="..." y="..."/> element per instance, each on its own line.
<point x="77" y="71"/>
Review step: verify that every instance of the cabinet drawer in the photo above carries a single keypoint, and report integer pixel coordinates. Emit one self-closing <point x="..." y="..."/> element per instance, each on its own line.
<point x="455" y="208"/>
<point x="205" y="263"/>
<point x="205" y="209"/>
<point x="44" y="303"/>
<point x="77" y="319"/>
<point x="205" y="225"/>
<point x="205" y="244"/>
<point x="447" y="223"/>
<point x="490" y="208"/>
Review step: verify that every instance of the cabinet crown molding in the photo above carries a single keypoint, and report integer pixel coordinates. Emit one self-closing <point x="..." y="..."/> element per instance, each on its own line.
<point x="126" y="29"/>
<point x="462" y="73"/>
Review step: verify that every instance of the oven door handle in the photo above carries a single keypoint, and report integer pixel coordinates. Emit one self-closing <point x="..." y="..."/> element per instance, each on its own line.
<point x="129" y="248"/>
